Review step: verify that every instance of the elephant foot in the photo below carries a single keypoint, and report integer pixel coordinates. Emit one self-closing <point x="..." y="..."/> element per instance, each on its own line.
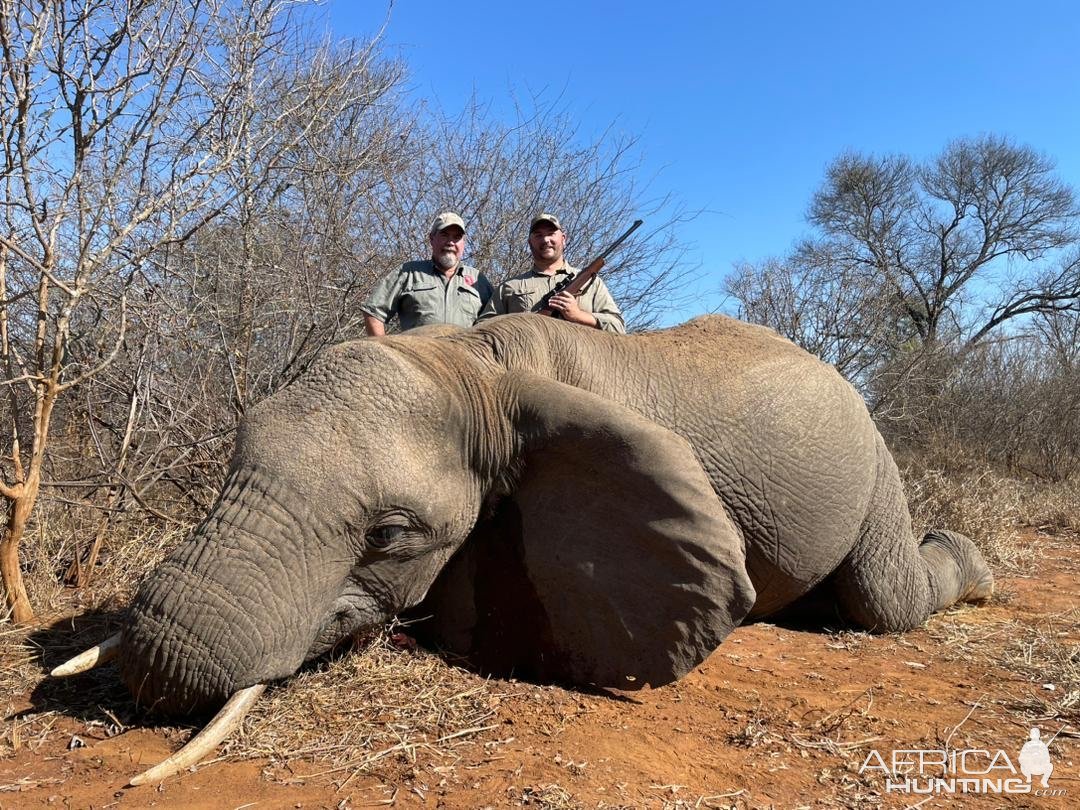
<point x="981" y="590"/>
<point x="972" y="582"/>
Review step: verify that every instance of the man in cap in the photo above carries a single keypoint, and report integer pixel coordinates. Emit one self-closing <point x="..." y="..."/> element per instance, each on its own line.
<point x="594" y="307"/>
<point x="439" y="290"/>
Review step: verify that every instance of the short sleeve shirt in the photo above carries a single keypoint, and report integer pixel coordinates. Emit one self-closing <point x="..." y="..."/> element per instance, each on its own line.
<point x="523" y="293"/>
<point x="420" y="295"/>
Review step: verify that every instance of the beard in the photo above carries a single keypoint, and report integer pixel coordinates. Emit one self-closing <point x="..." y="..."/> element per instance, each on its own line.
<point x="446" y="260"/>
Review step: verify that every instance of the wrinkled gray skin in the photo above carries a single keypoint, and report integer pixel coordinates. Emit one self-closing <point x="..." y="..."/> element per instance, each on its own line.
<point x="565" y="503"/>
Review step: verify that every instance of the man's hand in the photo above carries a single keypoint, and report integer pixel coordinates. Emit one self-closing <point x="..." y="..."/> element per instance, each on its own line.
<point x="373" y="326"/>
<point x="567" y="306"/>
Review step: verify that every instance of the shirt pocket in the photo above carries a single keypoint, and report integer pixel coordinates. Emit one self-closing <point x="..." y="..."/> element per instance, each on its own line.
<point x="522" y="301"/>
<point x="426" y="298"/>
<point x="469" y="301"/>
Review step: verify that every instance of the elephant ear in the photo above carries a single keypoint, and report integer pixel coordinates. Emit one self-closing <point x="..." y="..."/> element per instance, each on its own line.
<point x="610" y="561"/>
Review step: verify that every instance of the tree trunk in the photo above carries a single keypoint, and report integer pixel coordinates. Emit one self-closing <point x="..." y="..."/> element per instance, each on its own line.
<point x="14" y="590"/>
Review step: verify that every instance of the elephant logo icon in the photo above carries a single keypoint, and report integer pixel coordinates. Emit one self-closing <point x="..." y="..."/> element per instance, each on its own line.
<point x="1035" y="759"/>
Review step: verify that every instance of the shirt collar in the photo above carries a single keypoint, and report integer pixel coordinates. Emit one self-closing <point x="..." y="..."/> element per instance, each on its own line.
<point x="565" y="268"/>
<point x="434" y="268"/>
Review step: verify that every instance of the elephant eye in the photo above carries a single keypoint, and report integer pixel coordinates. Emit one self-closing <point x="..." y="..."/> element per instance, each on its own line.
<point x="381" y="537"/>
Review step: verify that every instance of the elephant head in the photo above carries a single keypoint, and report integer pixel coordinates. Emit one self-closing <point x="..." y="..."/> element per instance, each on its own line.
<point x="545" y="529"/>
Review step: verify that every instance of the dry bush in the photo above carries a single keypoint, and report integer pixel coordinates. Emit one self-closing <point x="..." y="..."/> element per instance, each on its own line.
<point x="951" y="485"/>
<point x="1052" y="507"/>
<point x="134" y="546"/>
<point x="979" y="503"/>
<point x="18" y="668"/>
<point x="1013" y="404"/>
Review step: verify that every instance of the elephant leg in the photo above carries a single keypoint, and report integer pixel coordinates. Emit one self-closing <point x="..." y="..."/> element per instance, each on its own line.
<point x="892" y="582"/>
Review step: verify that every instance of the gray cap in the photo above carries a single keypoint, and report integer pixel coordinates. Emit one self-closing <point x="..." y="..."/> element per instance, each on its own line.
<point x="549" y="218"/>
<point x="445" y="220"/>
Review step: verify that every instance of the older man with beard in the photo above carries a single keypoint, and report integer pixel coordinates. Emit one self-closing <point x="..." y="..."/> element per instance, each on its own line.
<point x="439" y="290"/>
<point x="593" y="307"/>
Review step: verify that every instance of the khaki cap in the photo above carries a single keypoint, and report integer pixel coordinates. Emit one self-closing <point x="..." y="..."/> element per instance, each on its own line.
<point x="445" y="220"/>
<point x="549" y="218"/>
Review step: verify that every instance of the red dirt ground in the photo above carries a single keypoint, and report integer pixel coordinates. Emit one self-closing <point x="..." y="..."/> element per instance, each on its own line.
<point x="777" y="717"/>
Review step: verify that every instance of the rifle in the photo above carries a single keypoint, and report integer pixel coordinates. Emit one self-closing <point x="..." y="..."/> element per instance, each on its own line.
<point x="575" y="285"/>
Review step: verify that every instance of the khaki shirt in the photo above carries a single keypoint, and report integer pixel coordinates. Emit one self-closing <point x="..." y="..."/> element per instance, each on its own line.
<point x="420" y="295"/>
<point x="523" y="294"/>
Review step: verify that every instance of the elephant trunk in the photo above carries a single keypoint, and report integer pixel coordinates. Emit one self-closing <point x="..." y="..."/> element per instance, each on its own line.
<point x="235" y="605"/>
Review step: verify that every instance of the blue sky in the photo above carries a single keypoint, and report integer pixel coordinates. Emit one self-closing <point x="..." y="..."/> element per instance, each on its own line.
<point x="738" y="107"/>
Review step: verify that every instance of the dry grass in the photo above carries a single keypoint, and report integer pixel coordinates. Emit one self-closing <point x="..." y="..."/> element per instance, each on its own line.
<point x="1045" y="653"/>
<point x="950" y="490"/>
<point x="983" y="505"/>
<point x="1048" y="655"/>
<point x="133" y="547"/>
<point x="546" y="797"/>
<point x="1051" y="507"/>
<point x="378" y="706"/>
<point x="376" y="709"/>
<point x="70" y="621"/>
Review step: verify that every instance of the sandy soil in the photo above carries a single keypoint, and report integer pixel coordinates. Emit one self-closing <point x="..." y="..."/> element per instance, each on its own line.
<point x="779" y="716"/>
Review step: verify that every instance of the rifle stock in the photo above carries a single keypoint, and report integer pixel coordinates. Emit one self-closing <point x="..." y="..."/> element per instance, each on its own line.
<point x="573" y="286"/>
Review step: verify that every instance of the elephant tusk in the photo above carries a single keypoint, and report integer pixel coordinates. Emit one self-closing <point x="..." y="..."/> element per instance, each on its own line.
<point x="230" y="716"/>
<point x="94" y="657"/>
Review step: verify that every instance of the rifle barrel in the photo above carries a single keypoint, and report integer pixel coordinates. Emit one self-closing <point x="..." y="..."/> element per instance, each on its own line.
<point x="637" y="224"/>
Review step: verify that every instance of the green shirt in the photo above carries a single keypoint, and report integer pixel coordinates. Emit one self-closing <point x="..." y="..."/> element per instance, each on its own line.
<point x="523" y="294"/>
<point x="420" y="295"/>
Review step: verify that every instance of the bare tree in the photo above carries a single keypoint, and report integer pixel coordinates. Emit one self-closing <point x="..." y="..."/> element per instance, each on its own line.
<point x="278" y="255"/>
<point x="238" y="309"/>
<point x="940" y="256"/>
<point x="1060" y="333"/>
<point x="818" y="301"/>
<point x="930" y="232"/>
<point x="127" y="127"/>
